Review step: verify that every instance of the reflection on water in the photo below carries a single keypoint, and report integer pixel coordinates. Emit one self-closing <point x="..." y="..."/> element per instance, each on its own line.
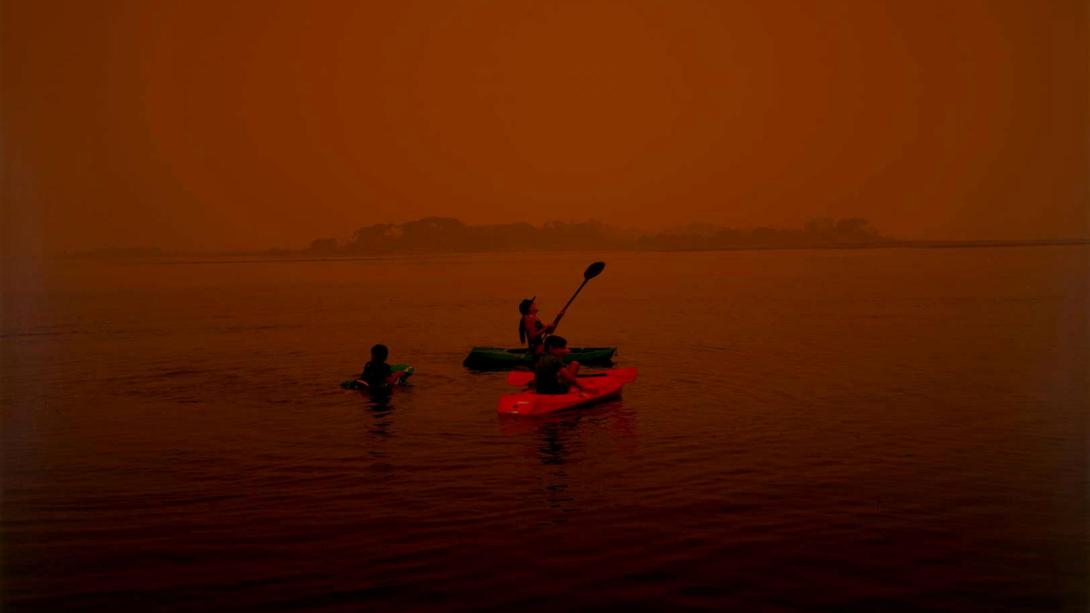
<point x="552" y="447"/>
<point x="379" y="409"/>
<point x="555" y="440"/>
<point x="382" y="413"/>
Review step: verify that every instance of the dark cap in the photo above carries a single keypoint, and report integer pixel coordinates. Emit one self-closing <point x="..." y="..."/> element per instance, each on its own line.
<point x="524" y="306"/>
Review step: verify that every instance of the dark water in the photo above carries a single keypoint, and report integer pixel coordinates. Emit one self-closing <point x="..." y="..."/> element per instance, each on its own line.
<point x="870" y="430"/>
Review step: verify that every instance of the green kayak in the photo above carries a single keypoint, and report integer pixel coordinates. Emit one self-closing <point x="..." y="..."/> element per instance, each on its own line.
<point x="499" y="358"/>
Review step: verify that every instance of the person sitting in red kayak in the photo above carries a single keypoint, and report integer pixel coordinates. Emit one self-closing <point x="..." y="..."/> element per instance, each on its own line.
<point x="551" y="376"/>
<point x="377" y="374"/>
<point x="531" y="330"/>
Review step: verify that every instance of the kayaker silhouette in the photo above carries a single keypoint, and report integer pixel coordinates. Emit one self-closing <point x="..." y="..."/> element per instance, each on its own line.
<point x="531" y="331"/>
<point x="551" y="375"/>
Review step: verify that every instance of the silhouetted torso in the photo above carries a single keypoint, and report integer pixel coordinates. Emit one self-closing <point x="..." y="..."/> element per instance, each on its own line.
<point x="546" y="380"/>
<point x="376" y="375"/>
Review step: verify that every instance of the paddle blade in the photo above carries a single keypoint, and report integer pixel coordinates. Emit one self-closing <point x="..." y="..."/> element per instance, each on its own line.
<point x="519" y="378"/>
<point x="594" y="270"/>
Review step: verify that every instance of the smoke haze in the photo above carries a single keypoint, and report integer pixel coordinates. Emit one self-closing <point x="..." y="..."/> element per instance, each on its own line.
<point x="206" y="125"/>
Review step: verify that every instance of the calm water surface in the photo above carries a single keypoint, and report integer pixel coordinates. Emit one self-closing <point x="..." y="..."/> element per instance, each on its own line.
<point x="870" y="430"/>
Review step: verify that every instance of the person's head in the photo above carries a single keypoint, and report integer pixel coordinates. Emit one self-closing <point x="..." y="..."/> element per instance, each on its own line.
<point x="379" y="353"/>
<point x="556" y="345"/>
<point x="528" y="306"/>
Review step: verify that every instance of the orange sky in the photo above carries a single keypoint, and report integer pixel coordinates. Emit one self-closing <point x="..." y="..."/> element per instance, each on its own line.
<point x="205" y="125"/>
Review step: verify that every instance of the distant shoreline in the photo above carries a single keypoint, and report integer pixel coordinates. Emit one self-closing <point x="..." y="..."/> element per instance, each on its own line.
<point x="900" y="245"/>
<point x="306" y="255"/>
<point x="447" y="235"/>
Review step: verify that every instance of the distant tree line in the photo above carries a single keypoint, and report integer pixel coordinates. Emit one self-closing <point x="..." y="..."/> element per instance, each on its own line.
<point x="823" y="232"/>
<point x="445" y="234"/>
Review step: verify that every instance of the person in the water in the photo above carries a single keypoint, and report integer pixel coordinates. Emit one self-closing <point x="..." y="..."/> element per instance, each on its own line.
<point x="377" y="374"/>
<point x="531" y="331"/>
<point x="551" y="376"/>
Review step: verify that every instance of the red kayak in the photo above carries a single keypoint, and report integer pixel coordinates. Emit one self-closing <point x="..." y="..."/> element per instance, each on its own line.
<point x="599" y="387"/>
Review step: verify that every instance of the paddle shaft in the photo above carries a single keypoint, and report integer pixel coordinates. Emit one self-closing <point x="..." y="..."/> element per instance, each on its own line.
<point x="525" y="378"/>
<point x="560" y="315"/>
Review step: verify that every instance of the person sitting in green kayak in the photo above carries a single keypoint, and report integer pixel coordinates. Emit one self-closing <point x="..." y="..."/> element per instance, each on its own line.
<point x="531" y="330"/>
<point x="551" y="376"/>
<point x="377" y="374"/>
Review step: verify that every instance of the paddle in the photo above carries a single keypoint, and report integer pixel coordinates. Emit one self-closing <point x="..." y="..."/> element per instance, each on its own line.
<point x="525" y="377"/>
<point x="592" y="271"/>
<point x="519" y="378"/>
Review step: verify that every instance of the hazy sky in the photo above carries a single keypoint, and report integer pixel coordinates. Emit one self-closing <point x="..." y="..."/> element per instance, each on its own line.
<point x="202" y="125"/>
